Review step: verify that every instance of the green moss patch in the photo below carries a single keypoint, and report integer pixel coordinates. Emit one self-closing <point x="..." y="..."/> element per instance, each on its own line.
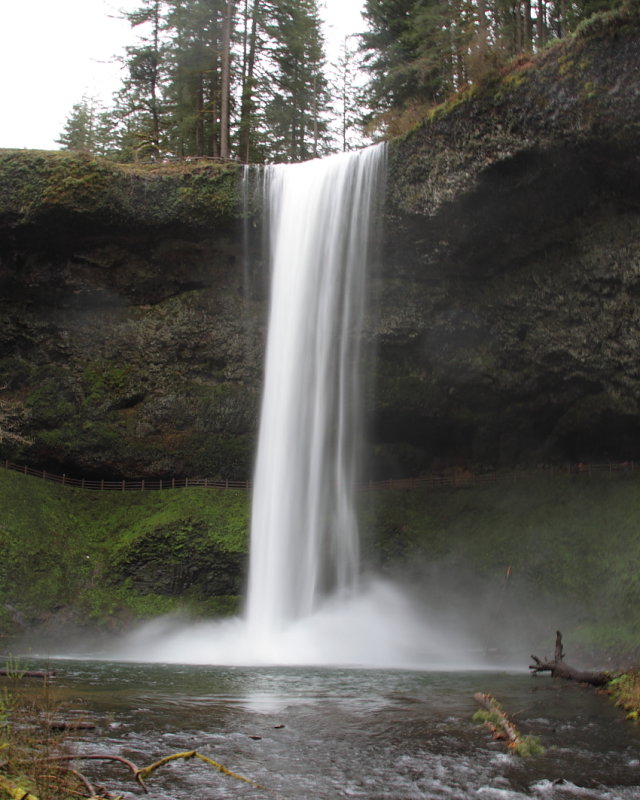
<point x="110" y="557"/>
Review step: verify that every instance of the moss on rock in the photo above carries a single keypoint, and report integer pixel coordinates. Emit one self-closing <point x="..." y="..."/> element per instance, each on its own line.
<point x="37" y="187"/>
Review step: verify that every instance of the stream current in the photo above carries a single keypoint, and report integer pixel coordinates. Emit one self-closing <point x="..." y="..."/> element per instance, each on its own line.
<point x="327" y="733"/>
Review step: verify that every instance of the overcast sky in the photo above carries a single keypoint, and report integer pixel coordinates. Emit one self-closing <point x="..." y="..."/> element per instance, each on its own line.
<point x="54" y="52"/>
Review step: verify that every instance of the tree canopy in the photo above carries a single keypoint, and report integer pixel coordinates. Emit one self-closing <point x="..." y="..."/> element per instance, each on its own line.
<point x="248" y="79"/>
<point x="222" y="79"/>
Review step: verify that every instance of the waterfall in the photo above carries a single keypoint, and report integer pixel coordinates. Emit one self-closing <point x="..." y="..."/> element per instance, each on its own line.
<point x="305" y="603"/>
<point x="304" y="532"/>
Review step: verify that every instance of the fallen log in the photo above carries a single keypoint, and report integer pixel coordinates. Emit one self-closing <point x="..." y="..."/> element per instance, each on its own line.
<point x="44" y="674"/>
<point x="70" y="725"/>
<point x="559" y="669"/>
<point x="495" y="718"/>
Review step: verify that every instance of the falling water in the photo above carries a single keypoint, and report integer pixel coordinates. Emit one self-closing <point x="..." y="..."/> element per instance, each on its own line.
<point x="306" y="602"/>
<point x="304" y="533"/>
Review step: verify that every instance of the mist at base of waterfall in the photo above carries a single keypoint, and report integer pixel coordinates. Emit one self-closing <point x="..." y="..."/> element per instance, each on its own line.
<point x="378" y="627"/>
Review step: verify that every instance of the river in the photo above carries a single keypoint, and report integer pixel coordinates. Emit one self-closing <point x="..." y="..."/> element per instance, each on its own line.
<point x="327" y="733"/>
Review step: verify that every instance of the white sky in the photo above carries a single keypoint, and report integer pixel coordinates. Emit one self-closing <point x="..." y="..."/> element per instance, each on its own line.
<point x="54" y="52"/>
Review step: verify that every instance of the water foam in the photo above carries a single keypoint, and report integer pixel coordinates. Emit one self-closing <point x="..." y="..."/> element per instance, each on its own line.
<point x="375" y="627"/>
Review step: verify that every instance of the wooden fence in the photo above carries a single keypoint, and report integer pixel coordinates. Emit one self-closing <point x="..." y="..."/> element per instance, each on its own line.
<point x="434" y="480"/>
<point x="140" y="485"/>
<point x="461" y="478"/>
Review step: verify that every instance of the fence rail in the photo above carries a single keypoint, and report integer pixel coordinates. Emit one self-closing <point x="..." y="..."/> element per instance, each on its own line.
<point x="465" y="478"/>
<point x="434" y="480"/>
<point x="140" y="485"/>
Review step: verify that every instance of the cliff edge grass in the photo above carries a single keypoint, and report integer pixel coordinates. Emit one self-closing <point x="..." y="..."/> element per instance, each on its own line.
<point x="565" y="58"/>
<point x="578" y="92"/>
<point x="41" y="187"/>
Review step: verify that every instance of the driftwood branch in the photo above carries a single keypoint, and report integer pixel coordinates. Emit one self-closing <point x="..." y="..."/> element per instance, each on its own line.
<point x="91" y="757"/>
<point x="14" y="791"/>
<point x="146" y="771"/>
<point x="559" y="669"/>
<point x="140" y="773"/>
<point x="70" y="725"/>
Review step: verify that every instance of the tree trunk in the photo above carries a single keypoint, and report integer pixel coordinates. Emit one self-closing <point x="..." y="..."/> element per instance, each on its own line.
<point x="155" y="113"/>
<point x="199" y="131"/>
<point x="542" y="24"/>
<point x="528" y="26"/>
<point x="246" y="102"/>
<point x="225" y="77"/>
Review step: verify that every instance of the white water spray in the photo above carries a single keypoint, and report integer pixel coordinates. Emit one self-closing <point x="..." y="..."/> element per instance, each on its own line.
<point x="304" y="533"/>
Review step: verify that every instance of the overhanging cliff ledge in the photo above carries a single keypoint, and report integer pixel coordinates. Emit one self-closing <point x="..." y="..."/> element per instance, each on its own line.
<point x="509" y="329"/>
<point x="506" y="323"/>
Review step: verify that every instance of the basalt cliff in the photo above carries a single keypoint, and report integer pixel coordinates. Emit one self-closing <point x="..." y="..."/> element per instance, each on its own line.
<point x="504" y="321"/>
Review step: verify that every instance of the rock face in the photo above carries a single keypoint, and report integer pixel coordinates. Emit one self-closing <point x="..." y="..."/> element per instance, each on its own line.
<point x="504" y="323"/>
<point x="130" y="345"/>
<point x="509" y="328"/>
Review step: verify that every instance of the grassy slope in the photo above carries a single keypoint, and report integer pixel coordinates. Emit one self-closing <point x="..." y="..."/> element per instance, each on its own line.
<point x="572" y="545"/>
<point x="60" y="546"/>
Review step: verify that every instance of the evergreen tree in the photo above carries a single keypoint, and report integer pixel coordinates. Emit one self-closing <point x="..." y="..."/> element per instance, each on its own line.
<point x="79" y="131"/>
<point x="253" y="18"/>
<point x="139" y="103"/>
<point x="386" y="51"/>
<point x="88" y="129"/>
<point x="347" y="97"/>
<point x="229" y="10"/>
<point x="208" y="79"/>
<point x="199" y="87"/>
<point x="192" y="86"/>
<point x="297" y="110"/>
